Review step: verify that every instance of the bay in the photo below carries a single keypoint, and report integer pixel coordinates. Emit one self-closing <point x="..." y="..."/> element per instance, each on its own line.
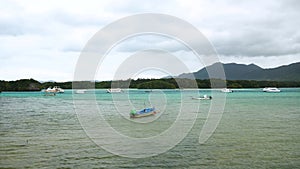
<point x="257" y="130"/>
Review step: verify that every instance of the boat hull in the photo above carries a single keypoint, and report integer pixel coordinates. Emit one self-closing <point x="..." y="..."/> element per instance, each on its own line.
<point x="142" y="115"/>
<point x="201" y="98"/>
<point x="49" y="93"/>
<point x="226" y="90"/>
<point x="114" y="90"/>
<point x="80" y="91"/>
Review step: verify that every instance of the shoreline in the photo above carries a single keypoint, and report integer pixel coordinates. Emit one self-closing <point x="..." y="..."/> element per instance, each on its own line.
<point x="24" y="85"/>
<point x="176" y="89"/>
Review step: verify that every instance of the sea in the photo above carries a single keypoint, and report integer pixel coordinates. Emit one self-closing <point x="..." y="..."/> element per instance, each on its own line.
<point x="247" y="129"/>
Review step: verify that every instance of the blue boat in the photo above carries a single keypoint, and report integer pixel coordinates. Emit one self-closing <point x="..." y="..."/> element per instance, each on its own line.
<point x="142" y="113"/>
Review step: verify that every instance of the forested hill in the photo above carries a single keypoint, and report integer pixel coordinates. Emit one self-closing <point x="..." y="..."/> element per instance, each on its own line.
<point x="33" y="85"/>
<point x="30" y="85"/>
<point x="235" y="71"/>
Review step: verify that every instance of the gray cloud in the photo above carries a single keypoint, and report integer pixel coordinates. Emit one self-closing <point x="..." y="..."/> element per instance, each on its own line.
<point x="241" y="29"/>
<point x="150" y="41"/>
<point x="268" y="29"/>
<point x="238" y="29"/>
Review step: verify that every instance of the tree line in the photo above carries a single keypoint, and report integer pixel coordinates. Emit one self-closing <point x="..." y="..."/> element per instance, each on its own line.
<point x="170" y="83"/>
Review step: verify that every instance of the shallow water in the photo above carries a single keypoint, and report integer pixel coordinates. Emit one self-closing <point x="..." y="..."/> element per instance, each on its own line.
<point x="257" y="130"/>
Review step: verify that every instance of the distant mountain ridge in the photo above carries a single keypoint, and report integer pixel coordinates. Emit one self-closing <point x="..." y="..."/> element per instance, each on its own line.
<point x="234" y="71"/>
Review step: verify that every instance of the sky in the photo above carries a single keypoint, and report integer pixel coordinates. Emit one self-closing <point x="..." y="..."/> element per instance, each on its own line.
<point x="44" y="39"/>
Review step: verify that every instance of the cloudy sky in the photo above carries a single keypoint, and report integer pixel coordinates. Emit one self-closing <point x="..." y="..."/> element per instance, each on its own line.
<point x="44" y="39"/>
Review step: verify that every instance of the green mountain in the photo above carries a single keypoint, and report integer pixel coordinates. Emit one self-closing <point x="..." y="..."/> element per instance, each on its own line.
<point x="235" y="71"/>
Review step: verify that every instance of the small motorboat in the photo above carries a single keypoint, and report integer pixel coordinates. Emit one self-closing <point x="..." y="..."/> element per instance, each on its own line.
<point x="81" y="91"/>
<point x="114" y="90"/>
<point x="226" y="90"/>
<point x="148" y="91"/>
<point x="143" y="113"/>
<point x="55" y="89"/>
<point x="271" y="89"/>
<point x="205" y="97"/>
<point x="52" y="91"/>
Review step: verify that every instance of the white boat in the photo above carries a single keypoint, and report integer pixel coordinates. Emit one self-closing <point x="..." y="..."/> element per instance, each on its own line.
<point x="271" y="89"/>
<point x="55" y="89"/>
<point x="205" y="97"/>
<point x="226" y="90"/>
<point x="81" y="91"/>
<point x="50" y="90"/>
<point x="114" y="90"/>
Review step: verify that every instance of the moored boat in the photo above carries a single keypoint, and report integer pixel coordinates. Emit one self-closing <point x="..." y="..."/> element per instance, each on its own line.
<point x="114" y="90"/>
<point x="81" y="91"/>
<point x="205" y="97"/>
<point x="226" y="90"/>
<point x="55" y="89"/>
<point x="271" y="89"/>
<point x="52" y="91"/>
<point x="143" y="113"/>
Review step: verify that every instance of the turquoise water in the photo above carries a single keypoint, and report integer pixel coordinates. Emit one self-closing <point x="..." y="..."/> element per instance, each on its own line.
<point x="257" y="130"/>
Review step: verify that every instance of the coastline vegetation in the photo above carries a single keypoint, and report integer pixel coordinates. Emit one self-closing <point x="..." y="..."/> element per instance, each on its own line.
<point x="171" y="83"/>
